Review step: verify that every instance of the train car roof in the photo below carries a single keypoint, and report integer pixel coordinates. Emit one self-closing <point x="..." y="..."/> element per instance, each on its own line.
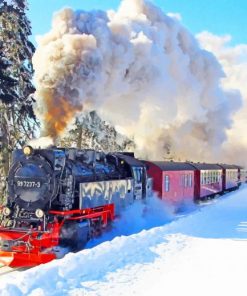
<point x="130" y="160"/>
<point x="206" y="166"/>
<point x="229" y="166"/>
<point x="172" y="165"/>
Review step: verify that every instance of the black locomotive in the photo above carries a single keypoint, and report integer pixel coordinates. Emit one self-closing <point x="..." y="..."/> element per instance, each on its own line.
<point x="50" y="179"/>
<point x="60" y="195"/>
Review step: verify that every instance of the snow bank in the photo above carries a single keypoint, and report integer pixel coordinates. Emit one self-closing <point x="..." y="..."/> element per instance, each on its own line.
<point x="203" y="253"/>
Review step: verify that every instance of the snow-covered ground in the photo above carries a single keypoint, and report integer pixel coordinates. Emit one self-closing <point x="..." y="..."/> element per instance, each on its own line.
<point x="204" y="253"/>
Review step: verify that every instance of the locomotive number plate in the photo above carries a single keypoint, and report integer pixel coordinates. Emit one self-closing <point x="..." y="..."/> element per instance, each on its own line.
<point x="28" y="184"/>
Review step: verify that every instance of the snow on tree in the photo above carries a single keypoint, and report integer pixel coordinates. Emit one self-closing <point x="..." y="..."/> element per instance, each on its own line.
<point x="91" y="132"/>
<point x="17" y="119"/>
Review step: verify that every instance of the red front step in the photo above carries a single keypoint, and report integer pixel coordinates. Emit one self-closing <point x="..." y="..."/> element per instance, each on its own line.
<point x="13" y="259"/>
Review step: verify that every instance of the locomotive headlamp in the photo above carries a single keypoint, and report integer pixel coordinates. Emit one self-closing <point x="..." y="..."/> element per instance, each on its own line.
<point x="39" y="213"/>
<point x="6" y="211"/>
<point x="27" y="150"/>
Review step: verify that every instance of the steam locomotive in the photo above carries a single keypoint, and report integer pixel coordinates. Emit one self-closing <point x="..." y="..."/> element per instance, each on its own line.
<point x="63" y="197"/>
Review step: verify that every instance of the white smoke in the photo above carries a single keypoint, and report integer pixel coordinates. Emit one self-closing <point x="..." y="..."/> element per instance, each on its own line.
<point x="153" y="213"/>
<point x="140" y="69"/>
<point x="176" y="16"/>
<point x="234" y="62"/>
<point x="41" y="143"/>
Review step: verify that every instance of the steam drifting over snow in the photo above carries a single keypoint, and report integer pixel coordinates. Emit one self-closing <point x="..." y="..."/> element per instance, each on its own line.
<point x="140" y="69"/>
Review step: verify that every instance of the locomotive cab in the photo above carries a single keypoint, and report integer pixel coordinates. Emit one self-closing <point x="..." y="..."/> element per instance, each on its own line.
<point x="138" y="173"/>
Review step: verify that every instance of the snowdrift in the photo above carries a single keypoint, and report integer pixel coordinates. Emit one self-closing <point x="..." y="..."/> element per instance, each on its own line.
<point x="200" y="254"/>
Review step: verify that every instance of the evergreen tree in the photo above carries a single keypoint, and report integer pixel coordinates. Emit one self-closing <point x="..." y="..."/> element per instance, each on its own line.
<point x="91" y="132"/>
<point x="17" y="118"/>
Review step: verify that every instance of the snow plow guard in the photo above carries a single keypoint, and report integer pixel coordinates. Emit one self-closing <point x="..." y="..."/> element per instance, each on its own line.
<point x="33" y="246"/>
<point x="15" y="260"/>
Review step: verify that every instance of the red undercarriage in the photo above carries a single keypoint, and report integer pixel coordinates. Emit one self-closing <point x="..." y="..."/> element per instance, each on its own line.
<point x="30" y="247"/>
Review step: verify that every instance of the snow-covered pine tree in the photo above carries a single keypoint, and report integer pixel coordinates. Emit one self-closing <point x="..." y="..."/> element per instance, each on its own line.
<point x="91" y="132"/>
<point x="17" y="119"/>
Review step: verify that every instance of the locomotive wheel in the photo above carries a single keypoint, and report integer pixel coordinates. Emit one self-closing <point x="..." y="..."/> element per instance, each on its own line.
<point x="96" y="227"/>
<point x="74" y="235"/>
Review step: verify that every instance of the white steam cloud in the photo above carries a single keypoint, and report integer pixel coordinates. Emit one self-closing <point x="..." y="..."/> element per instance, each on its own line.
<point x="140" y="69"/>
<point x="42" y="142"/>
<point x="234" y="62"/>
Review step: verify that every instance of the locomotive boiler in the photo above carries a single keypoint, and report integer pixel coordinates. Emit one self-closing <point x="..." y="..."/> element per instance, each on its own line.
<point x="63" y="197"/>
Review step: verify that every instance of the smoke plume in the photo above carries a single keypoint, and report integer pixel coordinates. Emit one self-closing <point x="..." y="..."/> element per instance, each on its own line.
<point x="141" y="70"/>
<point x="234" y="62"/>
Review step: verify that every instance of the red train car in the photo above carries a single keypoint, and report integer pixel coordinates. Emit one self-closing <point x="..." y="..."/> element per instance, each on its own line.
<point x="179" y="182"/>
<point x="243" y="175"/>
<point x="173" y="181"/>
<point x="231" y="177"/>
<point x="208" y="180"/>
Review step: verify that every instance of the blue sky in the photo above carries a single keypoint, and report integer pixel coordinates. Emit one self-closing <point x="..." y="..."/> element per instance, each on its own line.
<point x="217" y="16"/>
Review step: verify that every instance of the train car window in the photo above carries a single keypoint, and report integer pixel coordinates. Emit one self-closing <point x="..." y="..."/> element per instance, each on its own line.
<point x="206" y="177"/>
<point x="185" y="181"/>
<point x="190" y="180"/>
<point x="167" y="183"/>
<point x="182" y="180"/>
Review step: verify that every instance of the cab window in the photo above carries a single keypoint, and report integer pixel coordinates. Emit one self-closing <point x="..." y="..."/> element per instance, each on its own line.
<point x="137" y="172"/>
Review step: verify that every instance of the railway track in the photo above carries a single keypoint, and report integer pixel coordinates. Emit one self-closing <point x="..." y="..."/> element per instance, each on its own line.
<point x="6" y="270"/>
